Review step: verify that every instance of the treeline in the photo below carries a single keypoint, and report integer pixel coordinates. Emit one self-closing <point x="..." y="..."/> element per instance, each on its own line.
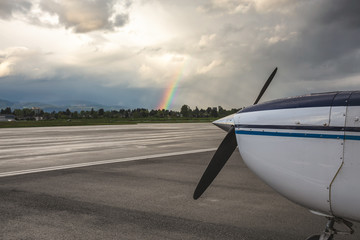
<point x="138" y="113"/>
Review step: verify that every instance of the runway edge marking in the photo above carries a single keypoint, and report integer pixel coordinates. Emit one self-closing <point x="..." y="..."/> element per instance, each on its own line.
<point x="78" y="165"/>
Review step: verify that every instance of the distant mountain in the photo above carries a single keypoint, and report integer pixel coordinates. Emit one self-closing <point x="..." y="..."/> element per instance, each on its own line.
<point x="43" y="106"/>
<point x="81" y="105"/>
<point x="4" y="104"/>
<point x="58" y="106"/>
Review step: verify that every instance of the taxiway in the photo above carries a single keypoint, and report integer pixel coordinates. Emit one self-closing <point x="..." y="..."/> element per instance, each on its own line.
<point x="136" y="182"/>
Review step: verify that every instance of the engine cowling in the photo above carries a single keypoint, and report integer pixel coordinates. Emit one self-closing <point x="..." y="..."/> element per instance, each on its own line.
<point x="299" y="146"/>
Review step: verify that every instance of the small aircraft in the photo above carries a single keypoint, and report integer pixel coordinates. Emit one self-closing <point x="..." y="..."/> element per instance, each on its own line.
<point x="307" y="148"/>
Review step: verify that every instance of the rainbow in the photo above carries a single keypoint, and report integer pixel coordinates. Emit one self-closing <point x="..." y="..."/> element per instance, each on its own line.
<point x="170" y="91"/>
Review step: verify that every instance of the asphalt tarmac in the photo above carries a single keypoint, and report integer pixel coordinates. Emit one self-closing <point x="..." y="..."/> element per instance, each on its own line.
<point x="136" y="182"/>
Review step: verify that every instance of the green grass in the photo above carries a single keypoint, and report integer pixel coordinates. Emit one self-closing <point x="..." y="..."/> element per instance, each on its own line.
<point x="99" y="121"/>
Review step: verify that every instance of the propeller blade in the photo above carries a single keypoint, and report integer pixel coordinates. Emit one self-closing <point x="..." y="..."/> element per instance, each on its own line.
<point x="218" y="161"/>
<point x="267" y="83"/>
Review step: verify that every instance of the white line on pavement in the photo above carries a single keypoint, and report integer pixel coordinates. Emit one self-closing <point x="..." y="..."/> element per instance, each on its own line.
<point x="78" y="165"/>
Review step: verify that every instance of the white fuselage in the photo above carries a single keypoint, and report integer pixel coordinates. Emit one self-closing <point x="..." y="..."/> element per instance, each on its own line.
<point x="307" y="152"/>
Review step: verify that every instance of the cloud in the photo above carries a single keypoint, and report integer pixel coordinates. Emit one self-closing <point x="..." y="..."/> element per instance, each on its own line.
<point x="77" y="87"/>
<point x="226" y="50"/>
<point x="26" y="64"/>
<point x="121" y="20"/>
<point x="326" y="45"/>
<point x="8" y="8"/>
<point x="283" y="6"/>
<point x="86" y="16"/>
<point x="244" y="6"/>
<point x="280" y="33"/>
<point x="17" y="61"/>
<point x="80" y="16"/>
<point x="342" y="13"/>
<point x="227" y="6"/>
<point x="315" y="44"/>
<point x="209" y="67"/>
<point x="206" y="39"/>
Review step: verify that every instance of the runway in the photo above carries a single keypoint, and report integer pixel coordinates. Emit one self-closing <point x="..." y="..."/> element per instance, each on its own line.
<point x="34" y="148"/>
<point x="136" y="182"/>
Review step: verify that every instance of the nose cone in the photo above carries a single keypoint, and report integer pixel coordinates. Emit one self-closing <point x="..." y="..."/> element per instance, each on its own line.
<point x="225" y="123"/>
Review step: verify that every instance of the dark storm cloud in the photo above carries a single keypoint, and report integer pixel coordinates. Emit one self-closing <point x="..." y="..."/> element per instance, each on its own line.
<point x="86" y="16"/>
<point x="315" y="44"/>
<point x="8" y="8"/>
<point x="75" y="88"/>
<point x="334" y="29"/>
<point x="335" y="38"/>
<point x="344" y="13"/>
<point x="326" y="45"/>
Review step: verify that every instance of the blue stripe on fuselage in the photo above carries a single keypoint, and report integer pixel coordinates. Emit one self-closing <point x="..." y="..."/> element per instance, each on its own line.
<point x="300" y="127"/>
<point x="298" y="134"/>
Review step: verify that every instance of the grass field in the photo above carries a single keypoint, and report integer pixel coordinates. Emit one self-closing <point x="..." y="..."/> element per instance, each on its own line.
<point x="100" y="121"/>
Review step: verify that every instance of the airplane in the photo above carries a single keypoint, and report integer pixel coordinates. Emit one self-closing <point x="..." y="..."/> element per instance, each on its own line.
<point x="305" y="147"/>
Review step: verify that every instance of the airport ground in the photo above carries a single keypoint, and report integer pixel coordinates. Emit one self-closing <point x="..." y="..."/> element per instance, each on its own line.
<point x="136" y="182"/>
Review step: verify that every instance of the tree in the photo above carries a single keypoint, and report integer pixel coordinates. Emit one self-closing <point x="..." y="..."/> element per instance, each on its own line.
<point x="222" y="112"/>
<point x="214" y="112"/>
<point x="18" y="113"/>
<point x="75" y="115"/>
<point x="185" y="110"/>
<point x="196" y="112"/>
<point x="6" y="111"/>
<point x="208" y="111"/>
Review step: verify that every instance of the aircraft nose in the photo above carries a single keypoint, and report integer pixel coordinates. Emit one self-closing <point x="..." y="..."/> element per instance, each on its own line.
<point x="225" y="123"/>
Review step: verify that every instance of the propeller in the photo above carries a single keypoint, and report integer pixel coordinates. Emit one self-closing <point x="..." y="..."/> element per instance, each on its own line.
<point x="224" y="151"/>
<point x="217" y="162"/>
<point x="267" y="83"/>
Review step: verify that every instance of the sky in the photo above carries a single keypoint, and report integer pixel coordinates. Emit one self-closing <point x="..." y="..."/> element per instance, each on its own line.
<point x="133" y="53"/>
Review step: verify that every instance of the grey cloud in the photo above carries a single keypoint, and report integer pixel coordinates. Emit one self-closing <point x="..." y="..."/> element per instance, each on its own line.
<point x="318" y="43"/>
<point x="342" y="12"/>
<point x="149" y="51"/>
<point x="121" y="20"/>
<point x="328" y="44"/>
<point x="85" y="16"/>
<point x="325" y="44"/>
<point x="229" y="6"/>
<point x="127" y="3"/>
<point x="248" y="6"/>
<point x="8" y="8"/>
<point x="77" y="87"/>
<point x="231" y="28"/>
